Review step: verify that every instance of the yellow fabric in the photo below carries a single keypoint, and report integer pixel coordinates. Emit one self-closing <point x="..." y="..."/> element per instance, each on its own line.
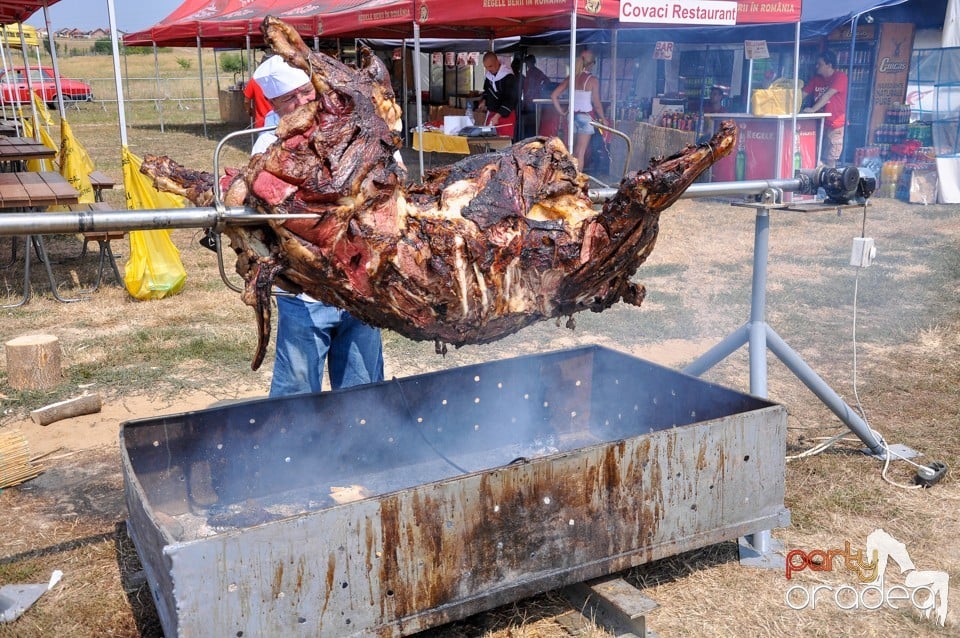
<point x="441" y="143"/>
<point x="39" y="165"/>
<point x="43" y="114"/>
<point x="75" y="163"/>
<point x="776" y="99"/>
<point x="154" y="270"/>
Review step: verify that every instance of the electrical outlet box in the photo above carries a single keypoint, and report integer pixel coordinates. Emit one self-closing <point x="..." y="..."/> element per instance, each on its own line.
<point x="863" y="252"/>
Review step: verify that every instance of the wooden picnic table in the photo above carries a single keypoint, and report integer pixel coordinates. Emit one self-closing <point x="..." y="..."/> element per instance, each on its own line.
<point x="15" y="151"/>
<point x="27" y="191"/>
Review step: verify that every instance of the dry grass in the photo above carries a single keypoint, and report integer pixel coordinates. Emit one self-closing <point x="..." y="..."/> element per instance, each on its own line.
<point x="698" y="277"/>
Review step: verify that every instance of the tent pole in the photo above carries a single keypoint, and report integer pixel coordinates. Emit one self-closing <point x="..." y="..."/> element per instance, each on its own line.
<point x="613" y="78"/>
<point x="126" y="69"/>
<point x="419" y="94"/>
<point x="26" y="68"/>
<point x="795" y="142"/>
<point x="203" y="97"/>
<point x="216" y="71"/>
<point x="158" y="102"/>
<point x="56" y="84"/>
<point x="7" y="72"/>
<point x="406" y="87"/>
<point x="116" y="72"/>
<point x="55" y="61"/>
<point x="572" y="83"/>
<point x="251" y="69"/>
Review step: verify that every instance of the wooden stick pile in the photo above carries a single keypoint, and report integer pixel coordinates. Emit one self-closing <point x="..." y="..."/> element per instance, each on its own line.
<point x="15" y="464"/>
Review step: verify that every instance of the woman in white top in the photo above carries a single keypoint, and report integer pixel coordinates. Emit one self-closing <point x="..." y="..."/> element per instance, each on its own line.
<point x="586" y="103"/>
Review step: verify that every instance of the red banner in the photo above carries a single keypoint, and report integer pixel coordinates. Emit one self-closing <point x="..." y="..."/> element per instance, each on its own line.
<point x="768" y="11"/>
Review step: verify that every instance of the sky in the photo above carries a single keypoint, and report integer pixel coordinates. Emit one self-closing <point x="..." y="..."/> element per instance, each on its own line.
<point x="132" y="15"/>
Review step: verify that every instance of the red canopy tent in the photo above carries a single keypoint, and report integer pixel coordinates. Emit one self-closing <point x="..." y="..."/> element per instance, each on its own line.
<point x="12" y="11"/>
<point x="192" y="19"/>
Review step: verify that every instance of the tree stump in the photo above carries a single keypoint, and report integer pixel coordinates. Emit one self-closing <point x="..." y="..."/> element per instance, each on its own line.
<point x="33" y="362"/>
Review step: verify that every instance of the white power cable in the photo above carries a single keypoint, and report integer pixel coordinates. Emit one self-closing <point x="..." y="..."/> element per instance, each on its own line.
<point x="828" y="442"/>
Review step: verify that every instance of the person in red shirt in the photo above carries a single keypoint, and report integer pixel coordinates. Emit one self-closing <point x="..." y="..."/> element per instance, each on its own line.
<point x="828" y="91"/>
<point x="256" y="102"/>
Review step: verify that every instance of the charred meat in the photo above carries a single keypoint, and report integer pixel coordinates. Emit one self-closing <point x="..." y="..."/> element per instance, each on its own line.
<point x="475" y="252"/>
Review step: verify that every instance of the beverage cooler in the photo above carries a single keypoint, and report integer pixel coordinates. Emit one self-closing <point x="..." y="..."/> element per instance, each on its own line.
<point x="877" y="62"/>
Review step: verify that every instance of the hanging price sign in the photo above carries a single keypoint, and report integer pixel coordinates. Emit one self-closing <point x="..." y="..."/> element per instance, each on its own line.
<point x="755" y="50"/>
<point x="663" y="51"/>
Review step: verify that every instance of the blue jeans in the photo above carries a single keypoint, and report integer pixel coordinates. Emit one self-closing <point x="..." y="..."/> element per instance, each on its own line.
<point x="307" y="332"/>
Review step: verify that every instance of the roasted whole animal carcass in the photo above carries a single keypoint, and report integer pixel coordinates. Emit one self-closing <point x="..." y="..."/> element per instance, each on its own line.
<point x="475" y="252"/>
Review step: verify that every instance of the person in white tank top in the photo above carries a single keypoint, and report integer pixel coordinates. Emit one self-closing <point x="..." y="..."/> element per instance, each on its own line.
<point x="586" y="104"/>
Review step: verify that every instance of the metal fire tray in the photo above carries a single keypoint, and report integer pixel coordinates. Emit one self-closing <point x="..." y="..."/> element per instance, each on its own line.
<point x="473" y="487"/>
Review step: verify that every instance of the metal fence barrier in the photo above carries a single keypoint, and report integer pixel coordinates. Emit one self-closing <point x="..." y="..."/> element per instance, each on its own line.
<point x="182" y="91"/>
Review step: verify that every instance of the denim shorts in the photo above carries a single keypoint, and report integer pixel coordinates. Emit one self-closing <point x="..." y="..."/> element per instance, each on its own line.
<point x="581" y="124"/>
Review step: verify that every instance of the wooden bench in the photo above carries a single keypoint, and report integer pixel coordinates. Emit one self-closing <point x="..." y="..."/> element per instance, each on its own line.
<point x="100" y="181"/>
<point x="103" y="239"/>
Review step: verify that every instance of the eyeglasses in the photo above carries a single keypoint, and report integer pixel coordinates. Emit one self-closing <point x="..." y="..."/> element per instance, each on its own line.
<point x="305" y="91"/>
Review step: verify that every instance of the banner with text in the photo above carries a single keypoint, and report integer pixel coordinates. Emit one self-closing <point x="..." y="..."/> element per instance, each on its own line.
<point x="690" y="12"/>
<point x="768" y="11"/>
<point x="710" y="12"/>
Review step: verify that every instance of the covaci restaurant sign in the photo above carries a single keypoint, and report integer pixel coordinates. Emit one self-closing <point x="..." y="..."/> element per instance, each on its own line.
<point x="693" y="12"/>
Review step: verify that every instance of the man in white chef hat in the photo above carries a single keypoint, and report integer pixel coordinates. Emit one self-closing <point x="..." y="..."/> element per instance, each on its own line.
<point x="311" y="333"/>
<point x="286" y="88"/>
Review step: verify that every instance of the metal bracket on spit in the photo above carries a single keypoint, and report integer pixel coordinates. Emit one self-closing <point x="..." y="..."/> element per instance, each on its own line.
<point x="625" y="137"/>
<point x="223" y="218"/>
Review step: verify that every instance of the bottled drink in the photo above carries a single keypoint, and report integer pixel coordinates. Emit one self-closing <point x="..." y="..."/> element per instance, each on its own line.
<point x="469" y="112"/>
<point x="797" y="158"/>
<point x="741" y="160"/>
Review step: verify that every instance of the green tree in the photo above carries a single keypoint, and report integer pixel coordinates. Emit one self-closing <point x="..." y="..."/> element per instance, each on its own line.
<point x="233" y="63"/>
<point x="103" y="46"/>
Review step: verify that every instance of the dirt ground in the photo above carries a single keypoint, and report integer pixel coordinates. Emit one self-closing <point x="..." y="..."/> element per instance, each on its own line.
<point x="907" y="373"/>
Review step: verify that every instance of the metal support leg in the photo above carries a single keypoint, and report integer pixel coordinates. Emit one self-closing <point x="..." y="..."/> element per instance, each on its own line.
<point x="42" y="252"/>
<point x="758" y="549"/>
<point x="35" y="243"/>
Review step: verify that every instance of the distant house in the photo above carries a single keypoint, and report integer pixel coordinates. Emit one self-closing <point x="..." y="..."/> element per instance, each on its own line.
<point x="98" y="34"/>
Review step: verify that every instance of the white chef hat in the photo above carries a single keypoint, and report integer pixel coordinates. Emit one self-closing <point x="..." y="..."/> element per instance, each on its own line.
<point x="276" y="77"/>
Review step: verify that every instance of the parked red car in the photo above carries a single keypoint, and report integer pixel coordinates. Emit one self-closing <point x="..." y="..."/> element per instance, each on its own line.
<point x="14" y="88"/>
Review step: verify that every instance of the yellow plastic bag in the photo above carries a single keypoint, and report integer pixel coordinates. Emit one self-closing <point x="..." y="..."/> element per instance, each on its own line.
<point x="154" y="270"/>
<point x="776" y="99"/>
<point x="39" y="165"/>
<point x="75" y="164"/>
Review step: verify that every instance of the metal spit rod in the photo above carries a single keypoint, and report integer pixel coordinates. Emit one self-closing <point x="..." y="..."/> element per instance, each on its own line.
<point x="719" y="189"/>
<point x="203" y="217"/>
<point x="102" y="221"/>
